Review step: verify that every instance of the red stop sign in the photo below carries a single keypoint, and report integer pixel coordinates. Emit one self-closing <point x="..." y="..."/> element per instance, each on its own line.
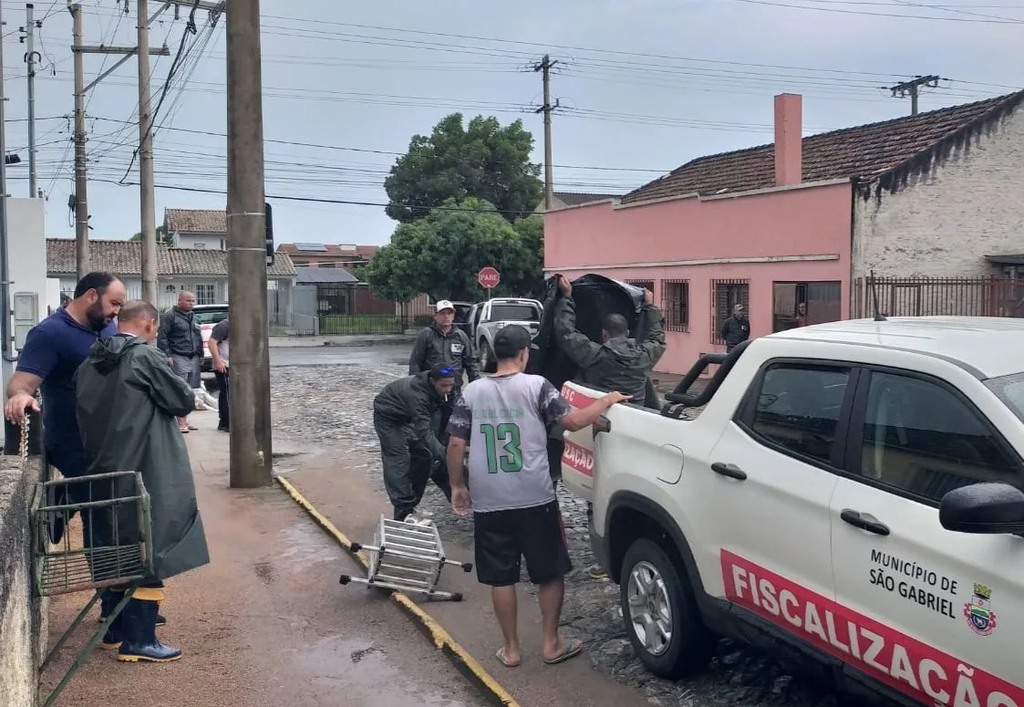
<point x="488" y="278"/>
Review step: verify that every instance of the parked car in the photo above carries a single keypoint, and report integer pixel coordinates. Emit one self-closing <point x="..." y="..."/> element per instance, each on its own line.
<point x="208" y="316"/>
<point x="486" y="318"/>
<point x="848" y="494"/>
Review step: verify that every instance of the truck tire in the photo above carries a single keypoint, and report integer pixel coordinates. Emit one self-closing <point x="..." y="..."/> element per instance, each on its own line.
<point x="660" y="613"/>
<point x="488" y="364"/>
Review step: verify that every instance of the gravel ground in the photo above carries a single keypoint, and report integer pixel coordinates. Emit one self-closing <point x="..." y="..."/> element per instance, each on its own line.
<point x="331" y="406"/>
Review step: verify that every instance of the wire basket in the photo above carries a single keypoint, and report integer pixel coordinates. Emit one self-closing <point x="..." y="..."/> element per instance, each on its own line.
<point x="115" y="546"/>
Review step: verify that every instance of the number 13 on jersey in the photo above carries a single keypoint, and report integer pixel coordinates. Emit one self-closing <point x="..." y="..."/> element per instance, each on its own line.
<point x="506" y="434"/>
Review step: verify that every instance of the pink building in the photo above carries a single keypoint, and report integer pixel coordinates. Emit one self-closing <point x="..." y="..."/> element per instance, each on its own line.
<point x="779" y="226"/>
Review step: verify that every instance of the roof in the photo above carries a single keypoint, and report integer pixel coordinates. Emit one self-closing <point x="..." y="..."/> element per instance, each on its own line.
<point x="317" y="276"/>
<point x="989" y="345"/>
<point x="337" y="250"/>
<point x="125" y="258"/>
<point x="1011" y="259"/>
<point x="570" y="198"/>
<point x="196" y="220"/>
<point x="864" y="153"/>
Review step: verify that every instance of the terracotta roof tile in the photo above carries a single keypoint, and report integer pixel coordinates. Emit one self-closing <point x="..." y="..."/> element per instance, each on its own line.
<point x="125" y="258"/>
<point x="329" y="250"/>
<point x="863" y="153"/>
<point x="196" y="220"/>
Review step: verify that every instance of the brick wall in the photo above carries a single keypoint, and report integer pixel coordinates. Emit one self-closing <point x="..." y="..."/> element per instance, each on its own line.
<point x="944" y="222"/>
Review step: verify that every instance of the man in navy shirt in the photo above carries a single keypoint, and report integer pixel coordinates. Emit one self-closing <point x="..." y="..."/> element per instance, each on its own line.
<point x="54" y="349"/>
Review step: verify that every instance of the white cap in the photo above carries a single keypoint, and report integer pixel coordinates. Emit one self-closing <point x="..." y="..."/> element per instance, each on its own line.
<point x="445" y="304"/>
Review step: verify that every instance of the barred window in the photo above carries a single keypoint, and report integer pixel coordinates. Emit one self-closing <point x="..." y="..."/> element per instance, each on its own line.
<point x="675" y="303"/>
<point x="726" y="294"/>
<point x="642" y="284"/>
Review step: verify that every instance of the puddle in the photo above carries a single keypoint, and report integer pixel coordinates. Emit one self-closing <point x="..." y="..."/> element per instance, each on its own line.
<point x="365" y="670"/>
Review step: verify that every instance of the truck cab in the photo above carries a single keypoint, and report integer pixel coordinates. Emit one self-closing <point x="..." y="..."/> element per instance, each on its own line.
<point x="486" y="318"/>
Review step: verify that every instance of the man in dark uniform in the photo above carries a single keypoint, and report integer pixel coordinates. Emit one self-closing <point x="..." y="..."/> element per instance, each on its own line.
<point x="444" y="344"/>
<point x="407" y="418"/>
<point x="128" y="399"/>
<point x="735" y="329"/>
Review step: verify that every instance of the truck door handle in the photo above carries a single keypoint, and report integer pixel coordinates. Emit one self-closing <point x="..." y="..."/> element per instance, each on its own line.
<point x="864" y="521"/>
<point x="730" y="470"/>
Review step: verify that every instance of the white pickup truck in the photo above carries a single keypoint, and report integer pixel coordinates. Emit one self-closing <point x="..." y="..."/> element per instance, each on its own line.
<point x="487" y="318"/>
<point x="849" y="492"/>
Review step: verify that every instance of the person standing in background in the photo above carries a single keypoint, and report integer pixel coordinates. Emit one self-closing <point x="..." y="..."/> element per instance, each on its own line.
<point x="444" y="344"/>
<point x="182" y="341"/>
<point x="735" y="329"/>
<point x="219" y="354"/>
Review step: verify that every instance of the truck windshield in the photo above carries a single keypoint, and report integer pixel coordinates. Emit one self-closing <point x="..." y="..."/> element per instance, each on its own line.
<point x="514" y="313"/>
<point x="1009" y="389"/>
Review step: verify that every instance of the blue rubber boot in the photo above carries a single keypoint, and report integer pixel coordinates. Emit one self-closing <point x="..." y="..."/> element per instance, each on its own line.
<point x="138" y="631"/>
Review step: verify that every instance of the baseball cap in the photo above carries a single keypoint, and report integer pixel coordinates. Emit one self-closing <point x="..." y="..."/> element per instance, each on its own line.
<point x="445" y="304"/>
<point x="510" y="340"/>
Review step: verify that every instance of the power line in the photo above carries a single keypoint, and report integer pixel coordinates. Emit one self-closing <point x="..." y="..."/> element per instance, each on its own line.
<point x="981" y="20"/>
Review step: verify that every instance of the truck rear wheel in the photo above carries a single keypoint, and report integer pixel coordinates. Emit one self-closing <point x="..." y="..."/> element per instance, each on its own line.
<point x="661" y="613"/>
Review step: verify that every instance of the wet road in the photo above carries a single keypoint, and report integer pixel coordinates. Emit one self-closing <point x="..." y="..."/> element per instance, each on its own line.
<point x="368" y="356"/>
<point x="265" y="623"/>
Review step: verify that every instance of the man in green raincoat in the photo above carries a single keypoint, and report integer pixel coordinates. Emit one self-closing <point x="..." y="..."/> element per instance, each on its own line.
<point x="128" y="399"/>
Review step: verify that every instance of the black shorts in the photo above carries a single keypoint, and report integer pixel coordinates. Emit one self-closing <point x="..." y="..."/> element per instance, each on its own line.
<point x="503" y="538"/>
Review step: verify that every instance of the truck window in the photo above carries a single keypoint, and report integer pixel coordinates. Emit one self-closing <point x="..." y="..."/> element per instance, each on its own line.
<point x="798" y="409"/>
<point x="514" y="313"/>
<point x="922" y="438"/>
<point x="1010" y="389"/>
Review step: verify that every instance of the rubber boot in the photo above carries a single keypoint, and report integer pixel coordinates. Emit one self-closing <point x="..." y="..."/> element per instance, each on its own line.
<point x="106" y="606"/>
<point x="112" y="638"/>
<point x="138" y="630"/>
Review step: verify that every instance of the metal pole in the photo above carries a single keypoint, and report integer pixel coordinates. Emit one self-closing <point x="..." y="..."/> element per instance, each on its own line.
<point x="30" y="59"/>
<point x="5" y="280"/>
<point x="146" y="186"/>
<point x="251" y="463"/>
<point x="549" y="180"/>
<point x="81" y="183"/>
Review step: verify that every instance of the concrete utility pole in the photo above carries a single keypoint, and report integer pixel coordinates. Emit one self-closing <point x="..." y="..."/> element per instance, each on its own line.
<point x="912" y="88"/>
<point x="32" y="57"/>
<point x="147" y="201"/>
<point x="251" y="463"/>
<point x="5" y="280"/>
<point x="81" y="182"/>
<point x="549" y="178"/>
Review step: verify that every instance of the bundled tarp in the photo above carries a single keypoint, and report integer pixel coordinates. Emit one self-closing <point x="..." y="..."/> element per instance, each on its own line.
<point x="596" y="297"/>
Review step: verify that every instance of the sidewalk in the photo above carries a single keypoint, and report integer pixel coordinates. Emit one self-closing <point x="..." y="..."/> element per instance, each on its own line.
<point x="266" y="622"/>
<point x="335" y="482"/>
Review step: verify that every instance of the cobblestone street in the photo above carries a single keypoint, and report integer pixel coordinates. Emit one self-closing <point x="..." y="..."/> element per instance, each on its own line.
<point x="329" y="407"/>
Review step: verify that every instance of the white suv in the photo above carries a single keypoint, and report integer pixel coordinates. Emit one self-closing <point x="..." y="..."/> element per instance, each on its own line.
<point x="851" y="491"/>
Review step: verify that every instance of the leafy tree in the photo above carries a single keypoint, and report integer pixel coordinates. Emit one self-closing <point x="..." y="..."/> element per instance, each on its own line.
<point x="483" y="160"/>
<point x="442" y="253"/>
<point x="162" y="237"/>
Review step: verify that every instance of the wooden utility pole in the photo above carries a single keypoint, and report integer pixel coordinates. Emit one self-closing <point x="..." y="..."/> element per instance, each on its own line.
<point x="147" y="189"/>
<point x="549" y="178"/>
<point x="81" y="182"/>
<point x="912" y="89"/>
<point x="251" y="462"/>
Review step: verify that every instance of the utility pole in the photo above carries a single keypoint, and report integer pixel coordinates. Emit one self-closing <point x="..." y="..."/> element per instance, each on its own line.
<point x="912" y="88"/>
<point x="549" y="178"/>
<point x="251" y="463"/>
<point x="5" y="280"/>
<point x="147" y="201"/>
<point x="81" y="182"/>
<point x="31" y="58"/>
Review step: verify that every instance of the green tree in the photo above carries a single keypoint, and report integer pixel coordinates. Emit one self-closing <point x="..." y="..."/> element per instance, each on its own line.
<point x="161" y="236"/>
<point x="442" y="253"/>
<point x="483" y="160"/>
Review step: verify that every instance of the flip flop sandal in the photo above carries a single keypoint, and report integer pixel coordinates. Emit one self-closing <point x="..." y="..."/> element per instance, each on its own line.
<point x="500" y="655"/>
<point x="192" y="427"/>
<point x="572" y="649"/>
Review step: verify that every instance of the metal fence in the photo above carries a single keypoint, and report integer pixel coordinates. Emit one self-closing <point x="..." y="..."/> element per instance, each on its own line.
<point x="948" y="296"/>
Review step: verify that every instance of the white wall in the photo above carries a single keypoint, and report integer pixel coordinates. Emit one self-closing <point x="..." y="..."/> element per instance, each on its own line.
<point x="26" y="239"/>
<point x="942" y="224"/>
<point x="200" y="241"/>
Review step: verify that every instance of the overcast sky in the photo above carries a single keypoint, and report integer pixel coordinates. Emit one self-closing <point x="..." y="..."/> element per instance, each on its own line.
<point x="645" y="85"/>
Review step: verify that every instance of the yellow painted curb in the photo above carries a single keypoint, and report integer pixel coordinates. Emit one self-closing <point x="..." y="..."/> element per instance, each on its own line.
<point x="443" y="640"/>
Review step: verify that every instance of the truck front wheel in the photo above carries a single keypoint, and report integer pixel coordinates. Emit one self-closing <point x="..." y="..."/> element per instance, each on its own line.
<point x="488" y="364"/>
<point x="661" y="613"/>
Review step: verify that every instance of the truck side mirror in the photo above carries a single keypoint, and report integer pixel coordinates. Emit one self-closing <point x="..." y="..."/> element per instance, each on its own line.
<point x="987" y="508"/>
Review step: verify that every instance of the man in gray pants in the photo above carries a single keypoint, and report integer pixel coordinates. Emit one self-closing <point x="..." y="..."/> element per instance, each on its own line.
<point x="182" y="341"/>
<point x="407" y="418"/>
